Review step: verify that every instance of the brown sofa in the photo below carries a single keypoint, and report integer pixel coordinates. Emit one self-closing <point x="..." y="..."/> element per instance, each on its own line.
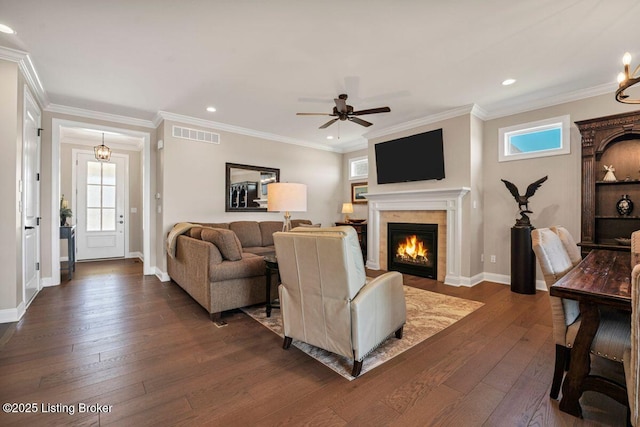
<point x="221" y="265"/>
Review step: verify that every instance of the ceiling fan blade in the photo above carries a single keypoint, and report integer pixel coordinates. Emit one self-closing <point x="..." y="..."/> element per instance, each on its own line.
<point x="341" y="104"/>
<point x="329" y="123"/>
<point x="313" y="114"/>
<point x="360" y="121"/>
<point x="372" y="111"/>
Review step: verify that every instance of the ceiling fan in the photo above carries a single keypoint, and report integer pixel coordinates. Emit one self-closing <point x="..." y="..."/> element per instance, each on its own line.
<point x="342" y="111"/>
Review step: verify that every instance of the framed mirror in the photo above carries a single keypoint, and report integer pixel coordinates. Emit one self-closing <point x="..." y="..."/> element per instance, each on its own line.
<point x="246" y="187"/>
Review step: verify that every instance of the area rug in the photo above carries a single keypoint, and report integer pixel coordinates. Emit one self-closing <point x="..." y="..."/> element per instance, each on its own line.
<point x="427" y="314"/>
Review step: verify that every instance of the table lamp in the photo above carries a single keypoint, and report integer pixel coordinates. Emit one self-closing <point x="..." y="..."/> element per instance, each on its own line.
<point x="286" y="197"/>
<point x="347" y="208"/>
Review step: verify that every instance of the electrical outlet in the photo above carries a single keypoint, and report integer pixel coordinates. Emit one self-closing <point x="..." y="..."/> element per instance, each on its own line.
<point x="493" y="258"/>
<point x="481" y="257"/>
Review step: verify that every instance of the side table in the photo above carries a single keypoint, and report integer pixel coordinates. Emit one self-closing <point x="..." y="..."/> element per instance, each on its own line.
<point x="69" y="233"/>
<point x="271" y="266"/>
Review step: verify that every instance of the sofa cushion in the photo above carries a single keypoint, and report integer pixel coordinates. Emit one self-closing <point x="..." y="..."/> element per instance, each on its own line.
<point x="298" y="222"/>
<point x="248" y="232"/>
<point x="195" y="232"/>
<point x="249" y="266"/>
<point x="226" y="241"/>
<point x="215" y="225"/>
<point x="260" y="250"/>
<point x="267" y="228"/>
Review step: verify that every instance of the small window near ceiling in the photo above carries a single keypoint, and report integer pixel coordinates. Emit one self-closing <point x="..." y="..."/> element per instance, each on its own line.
<point x="359" y="167"/>
<point x="543" y="138"/>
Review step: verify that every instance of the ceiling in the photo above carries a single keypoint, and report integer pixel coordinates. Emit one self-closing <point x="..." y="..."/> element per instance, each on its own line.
<point x="261" y="62"/>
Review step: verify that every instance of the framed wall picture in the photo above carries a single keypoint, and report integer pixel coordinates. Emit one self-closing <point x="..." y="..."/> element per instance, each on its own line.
<point x="357" y="191"/>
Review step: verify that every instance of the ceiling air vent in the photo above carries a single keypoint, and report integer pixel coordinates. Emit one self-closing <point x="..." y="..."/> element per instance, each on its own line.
<point x="196" y="135"/>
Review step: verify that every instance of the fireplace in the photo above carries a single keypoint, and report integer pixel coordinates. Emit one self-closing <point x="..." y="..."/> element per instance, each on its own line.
<point x="413" y="249"/>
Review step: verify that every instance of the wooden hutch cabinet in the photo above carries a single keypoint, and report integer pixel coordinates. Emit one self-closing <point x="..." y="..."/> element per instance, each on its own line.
<point x="610" y="141"/>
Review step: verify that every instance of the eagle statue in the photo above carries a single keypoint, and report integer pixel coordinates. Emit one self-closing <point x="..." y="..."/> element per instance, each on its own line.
<point x="523" y="201"/>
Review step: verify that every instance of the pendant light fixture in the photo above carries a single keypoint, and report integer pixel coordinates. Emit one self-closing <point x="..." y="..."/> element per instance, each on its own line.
<point x="102" y="152"/>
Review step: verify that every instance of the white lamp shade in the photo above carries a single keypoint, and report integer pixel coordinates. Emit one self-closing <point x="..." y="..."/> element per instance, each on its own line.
<point x="286" y="197"/>
<point x="347" y="208"/>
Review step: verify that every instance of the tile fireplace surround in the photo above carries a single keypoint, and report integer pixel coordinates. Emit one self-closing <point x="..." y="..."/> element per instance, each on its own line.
<point x="447" y="200"/>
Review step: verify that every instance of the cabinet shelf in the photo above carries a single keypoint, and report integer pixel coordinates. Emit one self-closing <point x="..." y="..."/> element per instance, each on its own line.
<point x="630" y="182"/>
<point x="616" y="217"/>
<point x="611" y="140"/>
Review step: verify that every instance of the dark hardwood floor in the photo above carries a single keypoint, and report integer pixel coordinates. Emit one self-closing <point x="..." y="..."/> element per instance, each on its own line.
<point x="149" y="355"/>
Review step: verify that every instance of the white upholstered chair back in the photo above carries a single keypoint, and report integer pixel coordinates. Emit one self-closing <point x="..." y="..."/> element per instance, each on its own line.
<point x="320" y="277"/>
<point x="570" y="245"/>
<point x="635" y="248"/>
<point x="554" y="262"/>
<point x="327" y="301"/>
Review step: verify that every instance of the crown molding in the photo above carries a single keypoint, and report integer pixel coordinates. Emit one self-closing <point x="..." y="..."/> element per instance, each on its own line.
<point x="165" y="115"/>
<point x="28" y="71"/>
<point x="551" y="101"/>
<point x="138" y="146"/>
<point x="412" y="124"/>
<point x="97" y="115"/>
<point x="353" y="145"/>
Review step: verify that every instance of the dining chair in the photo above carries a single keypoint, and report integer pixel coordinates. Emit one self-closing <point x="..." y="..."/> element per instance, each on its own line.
<point x="610" y="340"/>
<point x="570" y="245"/>
<point x="635" y="248"/>
<point x="632" y="354"/>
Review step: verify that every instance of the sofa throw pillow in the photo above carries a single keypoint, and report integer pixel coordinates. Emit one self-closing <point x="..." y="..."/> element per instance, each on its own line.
<point x="226" y="241"/>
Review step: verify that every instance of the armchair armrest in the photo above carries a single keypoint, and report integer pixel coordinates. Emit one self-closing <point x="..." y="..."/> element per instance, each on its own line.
<point x="377" y="311"/>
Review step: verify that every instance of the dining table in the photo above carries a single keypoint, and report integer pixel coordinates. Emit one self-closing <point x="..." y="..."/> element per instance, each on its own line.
<point x="601" y="279"/>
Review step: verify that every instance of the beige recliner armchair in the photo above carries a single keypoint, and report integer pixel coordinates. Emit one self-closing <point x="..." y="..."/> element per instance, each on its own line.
<point x="327" y="301"/>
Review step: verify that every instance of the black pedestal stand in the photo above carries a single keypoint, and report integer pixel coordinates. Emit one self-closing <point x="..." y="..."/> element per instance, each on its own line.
<point x="523" y="261"/>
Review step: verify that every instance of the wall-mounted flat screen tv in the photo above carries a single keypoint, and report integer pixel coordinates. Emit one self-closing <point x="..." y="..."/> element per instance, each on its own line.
<point x="413" y="158"/>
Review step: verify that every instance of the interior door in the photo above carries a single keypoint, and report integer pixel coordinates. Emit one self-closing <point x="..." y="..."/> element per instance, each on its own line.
<point x="100" y="207"/>
<point x="31" y="199"/>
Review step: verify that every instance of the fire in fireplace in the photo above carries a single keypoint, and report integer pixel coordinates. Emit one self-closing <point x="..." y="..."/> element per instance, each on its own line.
<point x="413" y="249"/>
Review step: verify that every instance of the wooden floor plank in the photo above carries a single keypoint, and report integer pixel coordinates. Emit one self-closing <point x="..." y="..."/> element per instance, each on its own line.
<point x="116" y="337"/>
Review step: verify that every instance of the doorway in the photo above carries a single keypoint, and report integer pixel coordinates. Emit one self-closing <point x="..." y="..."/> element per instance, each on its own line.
<point x="142" y="185"/>
<point x="101" y="203"/>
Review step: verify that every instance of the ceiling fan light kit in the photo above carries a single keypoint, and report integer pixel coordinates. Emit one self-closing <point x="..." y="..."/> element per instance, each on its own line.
<point x="344" y="112"/>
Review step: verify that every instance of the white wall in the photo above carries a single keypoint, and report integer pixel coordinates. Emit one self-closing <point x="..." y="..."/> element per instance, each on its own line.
<point x="360" y="210"/>
<point x="193" y="178"/>
<point x="461" y="139"/>
<point x="557" y="201"/>
<point x="10" y="173"/>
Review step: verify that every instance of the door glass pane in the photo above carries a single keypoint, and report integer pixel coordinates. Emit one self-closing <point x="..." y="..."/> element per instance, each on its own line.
<point x="101" y="196"/>
<point x="108" y="174"/>
<point x="93" y="196"/>
<point x="108" y="219"/>
<point x="94" y="172"/>
<point x="108" y="197"/>
<point x="93" y="219"/>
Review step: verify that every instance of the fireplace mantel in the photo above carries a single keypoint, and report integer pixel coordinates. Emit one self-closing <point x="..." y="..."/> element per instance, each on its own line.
<point x="449" y="200"/>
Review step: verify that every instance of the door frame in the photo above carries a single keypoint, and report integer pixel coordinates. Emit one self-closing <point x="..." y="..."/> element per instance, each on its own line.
<point x="74" y="188"/>
<point x="57" y="124"/>
<point x="29" y="99"/>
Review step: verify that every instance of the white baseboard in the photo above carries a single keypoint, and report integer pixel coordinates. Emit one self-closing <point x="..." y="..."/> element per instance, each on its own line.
<point x="135" y="255"/>
<point x="9" y="315"/>
<point x="162" y="275"/>
<point x="47" y="282"/>
<point x="506" y="280"/>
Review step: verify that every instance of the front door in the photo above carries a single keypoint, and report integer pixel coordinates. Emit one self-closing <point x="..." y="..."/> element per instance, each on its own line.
<point x="100" y="195"/>
<point x="31" y="198"/>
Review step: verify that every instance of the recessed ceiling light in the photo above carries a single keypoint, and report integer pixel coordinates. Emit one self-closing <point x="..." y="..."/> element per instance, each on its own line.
<point x="508" y="82"/>
<point x="329" y="137"/>
<point x="211" y="109"/>
<point x="6" y="29"/>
